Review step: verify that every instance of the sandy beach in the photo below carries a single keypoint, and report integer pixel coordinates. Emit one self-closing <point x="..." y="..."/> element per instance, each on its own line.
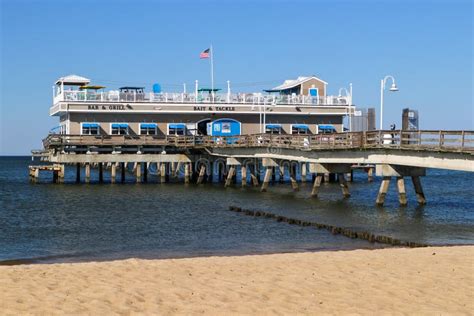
<point x="435" y="280"/>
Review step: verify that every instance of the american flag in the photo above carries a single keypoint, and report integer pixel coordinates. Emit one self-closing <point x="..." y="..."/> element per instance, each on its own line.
<point x="205" y="53"/>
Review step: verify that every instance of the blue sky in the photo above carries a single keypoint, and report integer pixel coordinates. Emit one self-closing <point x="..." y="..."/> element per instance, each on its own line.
<point x="425" y="45"/>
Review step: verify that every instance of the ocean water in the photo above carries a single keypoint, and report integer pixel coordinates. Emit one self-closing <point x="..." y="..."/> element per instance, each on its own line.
<point x="47" y="222"/>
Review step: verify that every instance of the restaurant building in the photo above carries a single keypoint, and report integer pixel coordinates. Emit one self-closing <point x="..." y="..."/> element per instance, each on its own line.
<point x="299" y="106"/>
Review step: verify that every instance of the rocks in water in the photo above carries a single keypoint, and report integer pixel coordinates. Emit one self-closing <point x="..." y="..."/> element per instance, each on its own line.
<point x="333" y="229"/>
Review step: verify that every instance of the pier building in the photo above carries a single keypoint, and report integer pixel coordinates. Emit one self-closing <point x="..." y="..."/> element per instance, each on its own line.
<point x="299" y="106"/>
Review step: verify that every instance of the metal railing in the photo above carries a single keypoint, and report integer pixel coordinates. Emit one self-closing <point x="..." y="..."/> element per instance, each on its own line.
<point x="240" y="98"/>
<point x="446" y="141"/>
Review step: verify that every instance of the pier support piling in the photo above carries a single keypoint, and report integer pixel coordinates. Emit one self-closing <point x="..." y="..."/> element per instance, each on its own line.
<point x="145" y="172"/>
<point x="383" y="191"/>
<point x="187" y="169"/>
<point x="418" y="190"/>
<point x="202" y="173"/>
<point x="243" y="172"/>
<point x="370" y="174"/>
<point x="122" y="172"/>
<point x="78" y="172"/>
<point x="317" y="183"/>
<point x="294" y="184"/>
<point x="138" y="172"/>
<point x="163" y="172"/>
<point x="266" y="179"/>
<point x="88" y="172"/>
<point x="303" y="172"/>
<point x="343" y="185"/>
<point x="402" y="196"/>
<point x="230" y="176"/>
<point x="113" y="172"/>
<point x="101" y="172"/>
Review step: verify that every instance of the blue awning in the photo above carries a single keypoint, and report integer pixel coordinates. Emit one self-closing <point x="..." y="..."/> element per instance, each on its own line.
<point x="273" y="126"/>
<point x="90" y="125"/>
<point x="177" y="125"/>
<point x="119" y="125"/>
<point x="148" y="125"/>
<point x="300" y="126"/>
<point x="327" y="127"/>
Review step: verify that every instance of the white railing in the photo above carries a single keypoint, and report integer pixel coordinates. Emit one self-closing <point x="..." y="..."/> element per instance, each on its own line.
<point x="240" y="98"/>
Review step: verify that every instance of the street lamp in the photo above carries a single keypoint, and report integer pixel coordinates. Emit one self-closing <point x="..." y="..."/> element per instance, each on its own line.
<point x="393" y="88"/>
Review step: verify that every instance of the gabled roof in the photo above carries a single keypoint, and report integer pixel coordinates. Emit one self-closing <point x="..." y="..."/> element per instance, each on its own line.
<point x="288" y="84"/>
<point x="73" y="80"/>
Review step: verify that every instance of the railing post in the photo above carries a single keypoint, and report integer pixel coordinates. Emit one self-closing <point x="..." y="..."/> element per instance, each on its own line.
<point x="462" y="140"/>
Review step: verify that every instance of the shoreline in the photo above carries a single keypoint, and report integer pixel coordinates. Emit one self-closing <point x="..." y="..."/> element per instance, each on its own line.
<point x="405" y="280"/>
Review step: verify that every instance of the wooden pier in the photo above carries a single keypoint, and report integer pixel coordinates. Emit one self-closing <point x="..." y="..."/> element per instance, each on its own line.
<point x="263" y="157"/>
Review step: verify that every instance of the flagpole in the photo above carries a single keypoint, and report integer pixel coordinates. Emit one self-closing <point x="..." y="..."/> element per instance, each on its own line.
<point x="212" y="73"/>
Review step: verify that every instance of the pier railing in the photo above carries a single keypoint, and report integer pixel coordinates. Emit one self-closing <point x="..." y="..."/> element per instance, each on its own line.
<point x="429" y="140"/>
<point x="238" y="98"/>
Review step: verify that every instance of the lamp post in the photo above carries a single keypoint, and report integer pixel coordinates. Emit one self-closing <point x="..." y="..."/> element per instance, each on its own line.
<point x="393" y="88"/>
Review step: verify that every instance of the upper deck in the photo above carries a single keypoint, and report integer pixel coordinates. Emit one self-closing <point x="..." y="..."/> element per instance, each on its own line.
<point x="95" y="99"/>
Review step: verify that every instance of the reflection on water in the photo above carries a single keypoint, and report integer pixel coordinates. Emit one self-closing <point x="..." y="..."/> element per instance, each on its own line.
<point x="72" y="222"/>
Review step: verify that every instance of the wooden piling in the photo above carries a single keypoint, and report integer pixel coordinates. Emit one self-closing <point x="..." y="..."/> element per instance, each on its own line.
<point x="266" y="179"/>
<point x="243" y="171"/>
<point x="418" y="190"/>
<point x="113" y="172"/>
<point x="383" y="191"/>
<point x="402" y="195"/>
<point x="230" y="175"/>
<point x="343" y="185"/>
<point x="88" y="172"/>
<point x="316" y="185"/>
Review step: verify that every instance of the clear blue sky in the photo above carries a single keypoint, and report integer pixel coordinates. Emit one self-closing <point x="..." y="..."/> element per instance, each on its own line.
<point x="426" y="45"/>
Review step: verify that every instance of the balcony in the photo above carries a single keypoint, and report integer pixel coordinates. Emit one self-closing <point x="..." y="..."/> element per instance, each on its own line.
<point x="193" y="98"/>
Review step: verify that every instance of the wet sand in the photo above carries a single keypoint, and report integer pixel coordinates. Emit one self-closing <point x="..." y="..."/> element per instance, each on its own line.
<point x="433" y="280"/>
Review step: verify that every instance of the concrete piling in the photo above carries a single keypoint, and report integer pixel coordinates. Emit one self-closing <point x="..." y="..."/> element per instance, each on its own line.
<point x="87" y="172"/>
<point x="383" y="191"/>
<point x="243" y="172"/>
<point x="343" y="185"/>
<point x="230" y="176"/>
<point x="316" y="185"/>
<point x="266" y="179"/>
<point x="113" y="172"/>
<point x="402" y="196"/>
<point x="138" y="172"/>
<point x="418" y="190"/>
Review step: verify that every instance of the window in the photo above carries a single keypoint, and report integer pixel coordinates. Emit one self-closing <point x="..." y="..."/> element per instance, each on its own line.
<point x="90" y="129"/>
<point x="273" y="129"/>
<point x="299" y="129"/>
<point x="178" y="129"/>
<point x="148" y="129"/>
<point x="119" y="129"/>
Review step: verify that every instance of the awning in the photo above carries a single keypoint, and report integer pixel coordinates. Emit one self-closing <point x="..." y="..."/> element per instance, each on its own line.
<point x="300" y="126"/>
<point x="90" y="125"/>
<point x="91" y="87"/>
<point x="177" y="125"/>
<point x="273" y="126"/>
<point x="119" y="125"/>
<point x="327" y="127"/>
<point x="148" y="125"/>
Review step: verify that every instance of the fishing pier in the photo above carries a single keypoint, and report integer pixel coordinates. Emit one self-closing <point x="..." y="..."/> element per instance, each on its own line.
<point x="262" y="158"/>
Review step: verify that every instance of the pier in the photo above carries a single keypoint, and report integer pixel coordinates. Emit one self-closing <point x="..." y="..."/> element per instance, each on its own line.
<point x="262" y="158"/>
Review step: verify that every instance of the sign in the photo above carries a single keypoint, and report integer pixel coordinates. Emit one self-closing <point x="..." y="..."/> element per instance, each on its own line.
<point x="110" y="107"/>
<point x="357" y="113"/>
<point x="214" y="108"/>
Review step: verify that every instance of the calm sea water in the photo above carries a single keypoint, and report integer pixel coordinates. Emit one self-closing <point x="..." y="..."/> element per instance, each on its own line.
<point x="75" y="222"/>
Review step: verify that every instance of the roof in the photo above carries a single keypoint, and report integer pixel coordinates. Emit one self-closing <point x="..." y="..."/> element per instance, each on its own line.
<point x="73" y="80"/>
<point x="288" y="84"/>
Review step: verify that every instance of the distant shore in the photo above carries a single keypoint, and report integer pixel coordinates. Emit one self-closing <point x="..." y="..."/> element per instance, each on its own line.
<point x="432" y="280"/>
